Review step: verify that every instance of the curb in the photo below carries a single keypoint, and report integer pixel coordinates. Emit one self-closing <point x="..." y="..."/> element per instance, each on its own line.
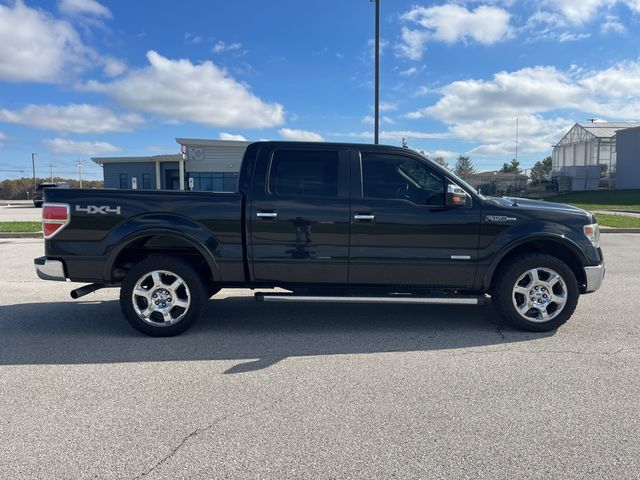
<point x="20" y="234"/>
<point x="619" y="230"/>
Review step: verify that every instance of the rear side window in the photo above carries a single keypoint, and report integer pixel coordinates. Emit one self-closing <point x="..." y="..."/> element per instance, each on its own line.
<point x="304" y="173"/>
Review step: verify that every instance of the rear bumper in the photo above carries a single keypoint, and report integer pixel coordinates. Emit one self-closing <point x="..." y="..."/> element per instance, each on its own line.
<point x="594" y="276"/>
<point x="49" y="269"/>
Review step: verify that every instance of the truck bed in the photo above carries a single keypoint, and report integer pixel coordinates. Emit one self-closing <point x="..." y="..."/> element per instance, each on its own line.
<point x="104" y="222"/>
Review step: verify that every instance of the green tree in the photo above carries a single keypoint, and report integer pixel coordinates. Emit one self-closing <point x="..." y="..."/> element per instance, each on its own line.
<point x="16" y="189"/>
<point x="463" y="167"/>
<point x="513" y="167"/>
<point x="541" y="170"/>
<point x="441" y="161"/>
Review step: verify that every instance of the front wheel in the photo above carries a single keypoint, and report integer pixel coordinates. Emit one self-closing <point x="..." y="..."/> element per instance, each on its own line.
<point x="162" y="296"/>
<point x="536" y="292"/>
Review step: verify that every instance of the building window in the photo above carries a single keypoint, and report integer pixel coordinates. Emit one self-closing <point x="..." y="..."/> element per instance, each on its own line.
<point x="214" y="182"/>
<point x="146" y="181"/>
<point x="230" y="182"/>
<point x="124" y="181"/>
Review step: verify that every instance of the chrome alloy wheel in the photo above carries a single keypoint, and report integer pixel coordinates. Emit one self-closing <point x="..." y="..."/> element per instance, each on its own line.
<point x="161" y="298"/>
<point x="539" y="294"/>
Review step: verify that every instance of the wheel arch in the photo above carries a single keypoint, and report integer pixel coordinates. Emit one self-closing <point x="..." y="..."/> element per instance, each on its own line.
<point x="148" y="242"/>
<point x="559" y="247"/>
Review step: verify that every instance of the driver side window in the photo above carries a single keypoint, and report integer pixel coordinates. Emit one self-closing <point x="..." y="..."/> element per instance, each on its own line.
<point x="391" y="176"/>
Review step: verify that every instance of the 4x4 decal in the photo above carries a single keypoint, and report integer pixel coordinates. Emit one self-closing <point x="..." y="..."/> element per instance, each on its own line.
<point x="102" y="209"/>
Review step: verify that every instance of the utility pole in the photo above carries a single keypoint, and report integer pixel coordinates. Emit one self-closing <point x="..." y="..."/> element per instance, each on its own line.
<point x="33" y="166"/>
<point x="376" y="106"/>
<point x="51" y="170"/>
<point x="80" y="164"/>
<point x="517" y="132"/>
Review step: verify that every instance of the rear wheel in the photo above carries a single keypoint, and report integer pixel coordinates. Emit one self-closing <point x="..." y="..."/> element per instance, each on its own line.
<point x="162" y="296"/>
<point x="536" y="292"/>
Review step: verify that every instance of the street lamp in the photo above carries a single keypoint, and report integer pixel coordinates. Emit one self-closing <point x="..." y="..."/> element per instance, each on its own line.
<point x="376" y="103"/>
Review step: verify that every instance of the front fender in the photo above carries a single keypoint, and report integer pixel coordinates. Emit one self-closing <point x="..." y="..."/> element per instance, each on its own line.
<point x="528" y="233"/>
<point x="172" y="225"/>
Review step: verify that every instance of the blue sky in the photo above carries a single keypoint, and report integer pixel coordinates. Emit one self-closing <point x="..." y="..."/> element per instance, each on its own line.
<point x="82" y="78"/>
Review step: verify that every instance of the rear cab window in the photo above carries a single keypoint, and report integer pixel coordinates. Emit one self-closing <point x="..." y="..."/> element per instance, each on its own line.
<point x="305" y="173"/>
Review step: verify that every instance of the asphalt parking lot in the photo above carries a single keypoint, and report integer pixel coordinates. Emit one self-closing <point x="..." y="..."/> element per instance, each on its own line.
<point x="22" y="212"/>
<point x="317" y="391"/>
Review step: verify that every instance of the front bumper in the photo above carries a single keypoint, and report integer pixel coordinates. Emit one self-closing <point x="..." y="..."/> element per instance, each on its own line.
<point x="594" y="276"/>
<point x="49" y="269"/>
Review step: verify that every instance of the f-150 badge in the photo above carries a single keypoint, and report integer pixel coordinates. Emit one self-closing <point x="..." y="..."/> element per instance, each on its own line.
<point x="102" y="209"/>
<point x="499" y="218"/>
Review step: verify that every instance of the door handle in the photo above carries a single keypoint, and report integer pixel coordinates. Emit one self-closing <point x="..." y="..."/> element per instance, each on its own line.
<point x="267" y="215"/>
<point x="361" y="217"/>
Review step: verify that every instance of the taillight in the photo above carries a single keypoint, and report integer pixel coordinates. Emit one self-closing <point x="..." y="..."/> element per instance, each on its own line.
<point x="55" y="216"/>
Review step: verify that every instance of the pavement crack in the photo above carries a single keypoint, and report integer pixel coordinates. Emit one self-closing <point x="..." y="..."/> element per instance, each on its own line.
<point x="200" y="430"/>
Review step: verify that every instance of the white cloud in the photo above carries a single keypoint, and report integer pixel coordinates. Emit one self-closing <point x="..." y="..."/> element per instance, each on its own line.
<point x="114" y="67"/>
<point x="36" y="47"/>
<point x="485" y="111"/>
<point x="508" y="94"/>
<point x="3" y="137"/>
<point x="577" y="12"/>
<point x="452" y="23"/>
<point x="572" y="37"/>
<point x="76" y="118"/>
<point x="446" y="154"/>
<point x="582" y="12"/>
<point x="409" y="72"/>
<point x="387" y="106"/>
<point x="221" y="46"/>
<point x="612" y="24"/>
<point x="183" y="91"/>
<point x="84" y="7"/>
<point x="370" y="120"/>
<point x="192" y="38"/>
<point x="392" y="135"/>
<point x="231" y="136"/>
<point x="412" y="43"/>
<point x="371" y="43"/>
<point x="300" y="135"/>
<point x="73" y="147"/>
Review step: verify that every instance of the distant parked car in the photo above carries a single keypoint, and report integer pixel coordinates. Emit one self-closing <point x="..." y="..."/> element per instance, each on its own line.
<point x="37" y="193"/>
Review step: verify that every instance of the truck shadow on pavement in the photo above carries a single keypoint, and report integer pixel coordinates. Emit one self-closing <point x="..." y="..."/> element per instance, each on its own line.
<point x="238" y="328"/>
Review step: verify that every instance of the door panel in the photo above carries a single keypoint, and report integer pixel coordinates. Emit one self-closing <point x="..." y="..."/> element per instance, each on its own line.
<point x="395" y="240"/>
<point x="300" y="216"/>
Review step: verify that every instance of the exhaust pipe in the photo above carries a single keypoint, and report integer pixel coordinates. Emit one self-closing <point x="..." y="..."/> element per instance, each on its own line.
<point x="87" y="289"/>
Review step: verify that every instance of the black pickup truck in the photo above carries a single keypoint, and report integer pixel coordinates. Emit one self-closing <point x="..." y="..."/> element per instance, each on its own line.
<point x="325" y="222"/>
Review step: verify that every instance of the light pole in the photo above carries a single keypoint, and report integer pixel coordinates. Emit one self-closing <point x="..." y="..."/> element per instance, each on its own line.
<point x="376" y="106"/>
<point x="33" y="166"/>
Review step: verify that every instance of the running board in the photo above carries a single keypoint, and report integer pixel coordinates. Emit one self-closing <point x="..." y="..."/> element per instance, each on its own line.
<point x="277" y="297"/>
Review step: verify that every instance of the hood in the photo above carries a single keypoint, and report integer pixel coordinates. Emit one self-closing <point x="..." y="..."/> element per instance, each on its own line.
<point x="537" y="205"/>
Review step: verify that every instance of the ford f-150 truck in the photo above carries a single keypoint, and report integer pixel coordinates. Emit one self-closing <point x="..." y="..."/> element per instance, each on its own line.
<point x="325" y="222"/>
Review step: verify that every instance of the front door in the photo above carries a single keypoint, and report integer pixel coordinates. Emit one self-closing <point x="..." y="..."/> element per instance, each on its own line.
<point x="401" y="231"/>
<point x="299" y="224"/>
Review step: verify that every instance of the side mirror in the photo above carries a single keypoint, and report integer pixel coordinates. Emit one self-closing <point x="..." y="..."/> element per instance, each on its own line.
<point x="456" y="196"/>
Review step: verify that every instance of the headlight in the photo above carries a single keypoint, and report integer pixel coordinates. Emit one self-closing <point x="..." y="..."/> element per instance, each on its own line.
<point x="592" y="232"/>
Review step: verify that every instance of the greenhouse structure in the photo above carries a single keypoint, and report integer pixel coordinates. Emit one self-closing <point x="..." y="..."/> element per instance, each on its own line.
<point x="586" y="158"/>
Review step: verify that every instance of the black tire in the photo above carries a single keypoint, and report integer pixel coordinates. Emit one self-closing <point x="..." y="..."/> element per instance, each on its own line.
<point x="37" y="204"/>
<point x="191" y="291"/>
<point x="505" y="297"/>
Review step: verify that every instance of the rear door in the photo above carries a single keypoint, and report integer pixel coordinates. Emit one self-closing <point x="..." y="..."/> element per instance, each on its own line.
<point x="402" y="233"/>
<point x="299" y="215"/>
